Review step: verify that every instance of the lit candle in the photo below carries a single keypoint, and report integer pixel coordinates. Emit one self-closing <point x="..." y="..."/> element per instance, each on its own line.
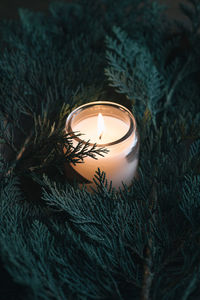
<point x="112" y="126"/>
<point x="101" y="129"/>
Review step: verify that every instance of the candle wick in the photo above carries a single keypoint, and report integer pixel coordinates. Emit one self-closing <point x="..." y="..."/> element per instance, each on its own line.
<point x="100" y="136"/>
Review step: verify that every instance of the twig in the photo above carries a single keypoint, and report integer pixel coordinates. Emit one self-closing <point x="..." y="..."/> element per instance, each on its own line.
<point x="19" y="155"/>
<point x="148" y="275"/>
<point x="179" y="78"/>
<point x="148" y="266"/>
<point x="190" y="288"/>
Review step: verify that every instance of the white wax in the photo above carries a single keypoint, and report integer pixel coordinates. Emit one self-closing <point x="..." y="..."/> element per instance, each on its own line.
<point x="104" y="123"/>
<point x="114" y="129"/>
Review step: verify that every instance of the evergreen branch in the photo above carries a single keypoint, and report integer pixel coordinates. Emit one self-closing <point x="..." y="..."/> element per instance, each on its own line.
<point x="180" y="76"/>
<point x="81" y="150"/>
<point x="141" y="242"/>
<point x="192" y="11"/>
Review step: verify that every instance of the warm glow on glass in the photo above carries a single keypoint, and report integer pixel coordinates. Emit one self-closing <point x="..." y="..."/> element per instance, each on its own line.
<point x="101" y="126"/>
<point x="113" y="127"/>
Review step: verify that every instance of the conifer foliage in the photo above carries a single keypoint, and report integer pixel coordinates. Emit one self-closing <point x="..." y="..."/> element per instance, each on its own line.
<point x="61" y="242"/>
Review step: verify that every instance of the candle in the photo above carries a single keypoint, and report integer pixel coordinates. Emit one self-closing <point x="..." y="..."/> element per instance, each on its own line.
<point x="108" y="125"/>
<point x="101" y="129"/>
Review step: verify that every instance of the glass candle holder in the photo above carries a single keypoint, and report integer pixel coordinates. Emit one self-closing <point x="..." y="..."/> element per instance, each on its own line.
<point x="117" y="133"/>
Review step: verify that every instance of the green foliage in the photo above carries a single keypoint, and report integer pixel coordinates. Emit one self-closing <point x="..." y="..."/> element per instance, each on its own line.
<point x="59" y="241"/>
<point x="133" y="72"/>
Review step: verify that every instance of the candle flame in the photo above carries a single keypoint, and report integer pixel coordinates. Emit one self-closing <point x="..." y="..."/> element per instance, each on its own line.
<point x="100" y="126"/>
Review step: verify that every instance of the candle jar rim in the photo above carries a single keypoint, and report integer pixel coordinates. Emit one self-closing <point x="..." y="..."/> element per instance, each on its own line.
<point x="73" y="114"/>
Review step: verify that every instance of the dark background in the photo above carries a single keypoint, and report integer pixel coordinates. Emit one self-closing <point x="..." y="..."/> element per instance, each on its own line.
<point x="9" y="10"/>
